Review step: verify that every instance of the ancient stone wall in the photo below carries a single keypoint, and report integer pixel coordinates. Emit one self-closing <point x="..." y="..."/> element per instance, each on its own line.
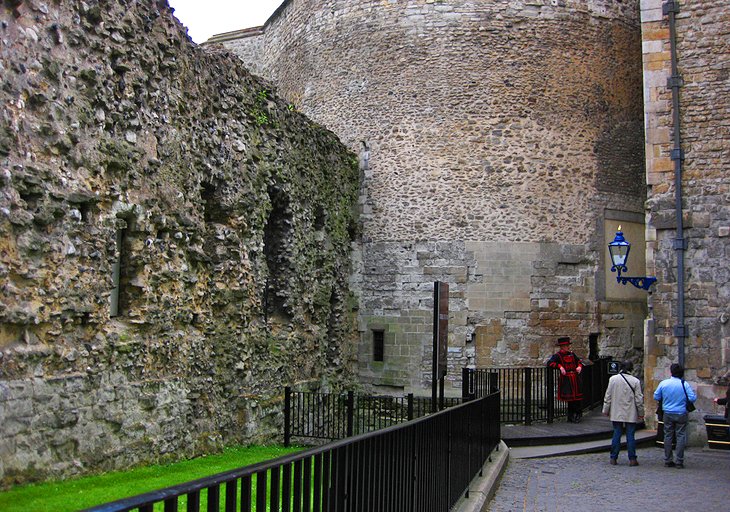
<point x="174" y="243"/>
<point x="494" y="137"/>
<point x="247" y="44"/>
<point x="703" y="46"/>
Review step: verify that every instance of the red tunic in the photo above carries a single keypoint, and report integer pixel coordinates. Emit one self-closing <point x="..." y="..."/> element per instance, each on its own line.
<point x="569" y="385"/>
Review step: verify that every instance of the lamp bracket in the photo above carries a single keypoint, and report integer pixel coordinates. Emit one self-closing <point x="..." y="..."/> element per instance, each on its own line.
<point x="643" y="282"/>
<point x="619" y="268"/>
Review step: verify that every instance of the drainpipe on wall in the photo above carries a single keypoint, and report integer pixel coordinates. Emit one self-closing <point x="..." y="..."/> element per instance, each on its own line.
<point x="671" y="9"/>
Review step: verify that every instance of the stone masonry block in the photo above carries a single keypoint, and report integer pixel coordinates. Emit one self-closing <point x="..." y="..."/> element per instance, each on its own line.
<point x="654" y="31"/>
<point x="519" y="305"/>
<point x="652" y="47"/>
<point x="652" y="15"/>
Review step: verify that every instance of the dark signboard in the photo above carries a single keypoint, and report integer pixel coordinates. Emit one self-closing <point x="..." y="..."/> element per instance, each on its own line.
<point x="614" y="367"/>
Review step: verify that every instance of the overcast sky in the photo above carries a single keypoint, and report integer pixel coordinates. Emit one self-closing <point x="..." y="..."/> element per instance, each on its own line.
<point x="205" y="18"/>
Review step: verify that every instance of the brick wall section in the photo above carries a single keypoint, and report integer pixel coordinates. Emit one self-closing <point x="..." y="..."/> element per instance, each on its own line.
<point x="497" y="135"/>
<point x="238" y="216"/>
<point x="703" y="49"/>
<point x="507" y="302"/>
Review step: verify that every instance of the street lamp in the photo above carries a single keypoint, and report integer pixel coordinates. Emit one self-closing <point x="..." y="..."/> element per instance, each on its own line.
<point x="619" y="250"/>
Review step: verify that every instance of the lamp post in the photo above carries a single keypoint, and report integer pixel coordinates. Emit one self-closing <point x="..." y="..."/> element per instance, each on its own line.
<point x="619" y="250"/>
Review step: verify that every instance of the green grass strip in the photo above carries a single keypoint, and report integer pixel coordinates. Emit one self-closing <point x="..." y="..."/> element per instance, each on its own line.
<point x="80" y="493"/>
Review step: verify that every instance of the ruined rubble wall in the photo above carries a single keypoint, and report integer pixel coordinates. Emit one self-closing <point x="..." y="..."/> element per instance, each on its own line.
<point x="498" y="134"/>
<point x="229" y="214"/>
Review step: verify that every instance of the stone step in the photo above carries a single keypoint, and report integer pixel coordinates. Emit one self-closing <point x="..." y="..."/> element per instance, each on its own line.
<point x="643" y="438"/>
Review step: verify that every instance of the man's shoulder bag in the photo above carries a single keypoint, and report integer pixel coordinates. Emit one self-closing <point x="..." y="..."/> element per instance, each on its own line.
<point x="688" y="404"/>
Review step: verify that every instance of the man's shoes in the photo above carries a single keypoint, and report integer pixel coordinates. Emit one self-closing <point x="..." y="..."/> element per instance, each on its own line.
<point x="613" y="462"/>
<point x="574" y="418"/>
<point x="670" y="464"/>
<point x="679" y="466"/>
<point x="633" y="462"/>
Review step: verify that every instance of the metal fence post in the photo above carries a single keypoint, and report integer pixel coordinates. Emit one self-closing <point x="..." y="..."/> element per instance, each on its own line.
<point x="350" y="413"/>
<point x="287" y="416"/>
<point x="449" y="440"/>
<point x="604" y="373"/>
<point x="410" y="406"/>
<point x="493" y="383"/>
<point x="465" y="383"/>
<point x="442" y="381"/>
<point x="587" y="386"/>
<point x="528" y="396"/>
<point x="550" y="394"/>
<point x="468" y="384"/>
<point x="593" y="371"/>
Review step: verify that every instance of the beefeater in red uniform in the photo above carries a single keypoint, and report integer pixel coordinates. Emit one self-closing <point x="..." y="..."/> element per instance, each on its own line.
<point x="569" y="383"/>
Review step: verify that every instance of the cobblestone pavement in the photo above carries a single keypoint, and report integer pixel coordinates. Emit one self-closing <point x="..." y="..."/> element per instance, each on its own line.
<point x="588" y="482"/>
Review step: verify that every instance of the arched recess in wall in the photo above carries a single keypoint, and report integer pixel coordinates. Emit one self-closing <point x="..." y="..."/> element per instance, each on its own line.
<point x="335" y="327"/>
<point x="278" y="234"/>
<point x="213" y="209"/>
<point x="632" y="225"/>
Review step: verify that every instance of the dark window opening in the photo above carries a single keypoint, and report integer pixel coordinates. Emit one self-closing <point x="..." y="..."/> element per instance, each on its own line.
<point x="353" y="229"/>
<point x="319" y="219"/>
<point x="122" y="269"/>
<point x="334" y="327"/>
<point x="378" y="345"/>
<point x="213" y="209"/>
<point x="333" y="316"/>
<point x="86" y="210"/>
<point x="117" y="273"/>
<point x="32" y="199"/>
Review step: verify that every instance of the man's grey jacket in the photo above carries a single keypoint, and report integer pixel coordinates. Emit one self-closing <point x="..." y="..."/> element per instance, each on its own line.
<point x="620" y="402"/>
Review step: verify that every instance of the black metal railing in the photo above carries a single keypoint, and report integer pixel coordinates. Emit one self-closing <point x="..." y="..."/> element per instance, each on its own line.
<point x="315" y="415"/>
<point x="529" y="394"/>
<point x="595" y="382"/>
<point x="424" y="465"/>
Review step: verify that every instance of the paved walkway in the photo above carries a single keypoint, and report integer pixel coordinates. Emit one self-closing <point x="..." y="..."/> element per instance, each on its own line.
<point x="588" y="482"/>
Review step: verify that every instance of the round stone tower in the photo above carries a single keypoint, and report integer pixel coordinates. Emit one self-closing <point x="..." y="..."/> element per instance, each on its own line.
<point x="502" y="144"/>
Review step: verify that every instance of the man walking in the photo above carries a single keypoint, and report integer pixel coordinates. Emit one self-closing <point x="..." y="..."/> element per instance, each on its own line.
<point x="673" y="393"/>
<point x="623" y="403"/>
